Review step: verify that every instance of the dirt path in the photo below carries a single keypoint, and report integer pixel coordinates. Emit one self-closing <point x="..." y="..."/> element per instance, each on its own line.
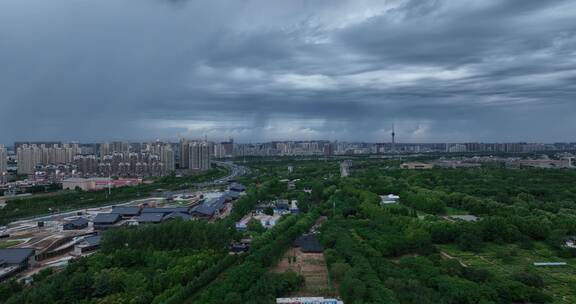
<point x="312" y="267"/>
<point x="446" y="255"/>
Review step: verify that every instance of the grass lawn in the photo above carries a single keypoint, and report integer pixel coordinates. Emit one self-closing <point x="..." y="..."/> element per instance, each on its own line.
<point x="455" y="211"/>
<point x="6" y="244"/>
<point x="504" y="260"/>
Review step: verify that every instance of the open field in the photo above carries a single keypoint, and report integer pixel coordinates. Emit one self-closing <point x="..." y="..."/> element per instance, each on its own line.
<point x="504" y="260"/>
<point x="312" y="267"/>
<point x="9" y="243"/>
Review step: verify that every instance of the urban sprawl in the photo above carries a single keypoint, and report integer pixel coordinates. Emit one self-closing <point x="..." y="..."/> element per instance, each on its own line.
<point x="55" y="161"/>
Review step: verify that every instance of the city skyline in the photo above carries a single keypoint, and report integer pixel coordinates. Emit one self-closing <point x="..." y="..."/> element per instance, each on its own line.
<point x="287" y="151"/>
<point x="439" y="71"/>
<point x="178" y="142"/>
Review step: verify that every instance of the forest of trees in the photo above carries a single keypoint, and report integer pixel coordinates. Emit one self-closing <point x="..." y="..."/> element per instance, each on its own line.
<point x="134" y="265"/>
<point x="398" y="253"/>
<point x="174" y="262"/>
<point x="392" y="254"/>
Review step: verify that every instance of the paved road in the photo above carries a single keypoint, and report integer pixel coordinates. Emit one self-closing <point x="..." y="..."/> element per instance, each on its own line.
<point x="235" y="171"/>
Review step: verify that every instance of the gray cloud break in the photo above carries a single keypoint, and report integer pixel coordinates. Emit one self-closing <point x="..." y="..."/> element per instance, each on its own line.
<point x="442" y="70"/>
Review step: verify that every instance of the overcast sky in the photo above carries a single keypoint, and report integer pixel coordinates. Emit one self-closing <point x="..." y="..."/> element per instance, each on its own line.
<point x="258" y="70"/>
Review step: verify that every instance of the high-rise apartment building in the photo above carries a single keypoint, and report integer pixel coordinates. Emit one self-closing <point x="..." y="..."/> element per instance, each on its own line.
<point x="184" y="153"/>
<point x="114" y="147"/>
<point x="3" y="164"/>
<point x="31" y="155"/>
<point x="219" y="150"/>
<point x="228" y="147"/>
<point x="166" y="154"/>
<point x="86" y="164"/>
<point x="28" y="157"/>
<point x="200" y="155"/>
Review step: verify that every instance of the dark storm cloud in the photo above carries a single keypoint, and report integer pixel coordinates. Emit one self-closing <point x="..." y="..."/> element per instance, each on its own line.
<point x="258" y="70"/>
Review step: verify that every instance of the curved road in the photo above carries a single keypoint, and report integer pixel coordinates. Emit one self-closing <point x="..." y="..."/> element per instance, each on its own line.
<point x="235" y="171"/>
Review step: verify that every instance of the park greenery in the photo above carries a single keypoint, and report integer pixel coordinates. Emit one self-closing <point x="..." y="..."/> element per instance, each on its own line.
<point x="409" y="252"/>
<point x="413" y="253"/>
<point x="133" y="265"/>
<point x="173" y="262"/>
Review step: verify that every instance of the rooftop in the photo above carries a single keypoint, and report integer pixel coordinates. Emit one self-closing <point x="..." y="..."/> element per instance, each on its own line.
<point x="466" y="218"/>
<point x="237" y="187"/>
<point x="177" y="215"/>
<point x="309" y="243"/>
<point x="15" y="255"/>
<point x="232" y="194"/>
<point x="204" y="209"/>
<point x="106" y="218"/>
<point x="126" y="211"/>
<point x="165" y="210"/>
<point x="93" y="240"/>
<point x="150" y="218"/>
<point x="79" y="221"/>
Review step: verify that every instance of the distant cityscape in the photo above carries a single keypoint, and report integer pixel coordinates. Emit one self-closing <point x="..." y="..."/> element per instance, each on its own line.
<point x="55" y="161"/>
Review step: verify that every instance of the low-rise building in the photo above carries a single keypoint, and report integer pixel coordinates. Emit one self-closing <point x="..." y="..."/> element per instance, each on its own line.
<point x="416" y="166"/>
<point x="456" y="164"/>
<point x="308" y="243"/>
<point x="15" y="260"/>
<point x="76" y="224"/>
<point x="232" y="195"/>
<point x="126" y="212"/>
<point x="84" y="184"/>
<point x="106" y="220"/>
<point x="177" y="216"/>
<point x="267" y="221"/>
<point x="546" y="163"/>
<point x="389" y="199"/>
<point x="150" y="218"/>
<point x="239" y="247"/>
<point x="281" y="206"/>
<point x="210" y="208"/>
<point x="570" y="242"/>
<point x="465" y="218"/>
<point x="237" y="187"/>
<point x="88" y="244"/>
<point x="165" y="211"/>
<point x="308" y="300"/>
<point x="294" y="207"/>
<point x="98" y="183"/>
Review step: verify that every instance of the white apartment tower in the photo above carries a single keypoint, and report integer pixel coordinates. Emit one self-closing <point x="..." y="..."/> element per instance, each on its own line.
<point x="28" y="157"/>
<point x="167" y="157"/>
<point x="200" y="155"/>
<point x="3" y="164"/>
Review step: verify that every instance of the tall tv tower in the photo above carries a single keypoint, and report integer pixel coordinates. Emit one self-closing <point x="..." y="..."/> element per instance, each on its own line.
<point x="393" y="139"/>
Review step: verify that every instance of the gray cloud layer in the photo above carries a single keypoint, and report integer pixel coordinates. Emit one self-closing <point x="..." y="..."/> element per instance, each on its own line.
<point x="257" y="70"/>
